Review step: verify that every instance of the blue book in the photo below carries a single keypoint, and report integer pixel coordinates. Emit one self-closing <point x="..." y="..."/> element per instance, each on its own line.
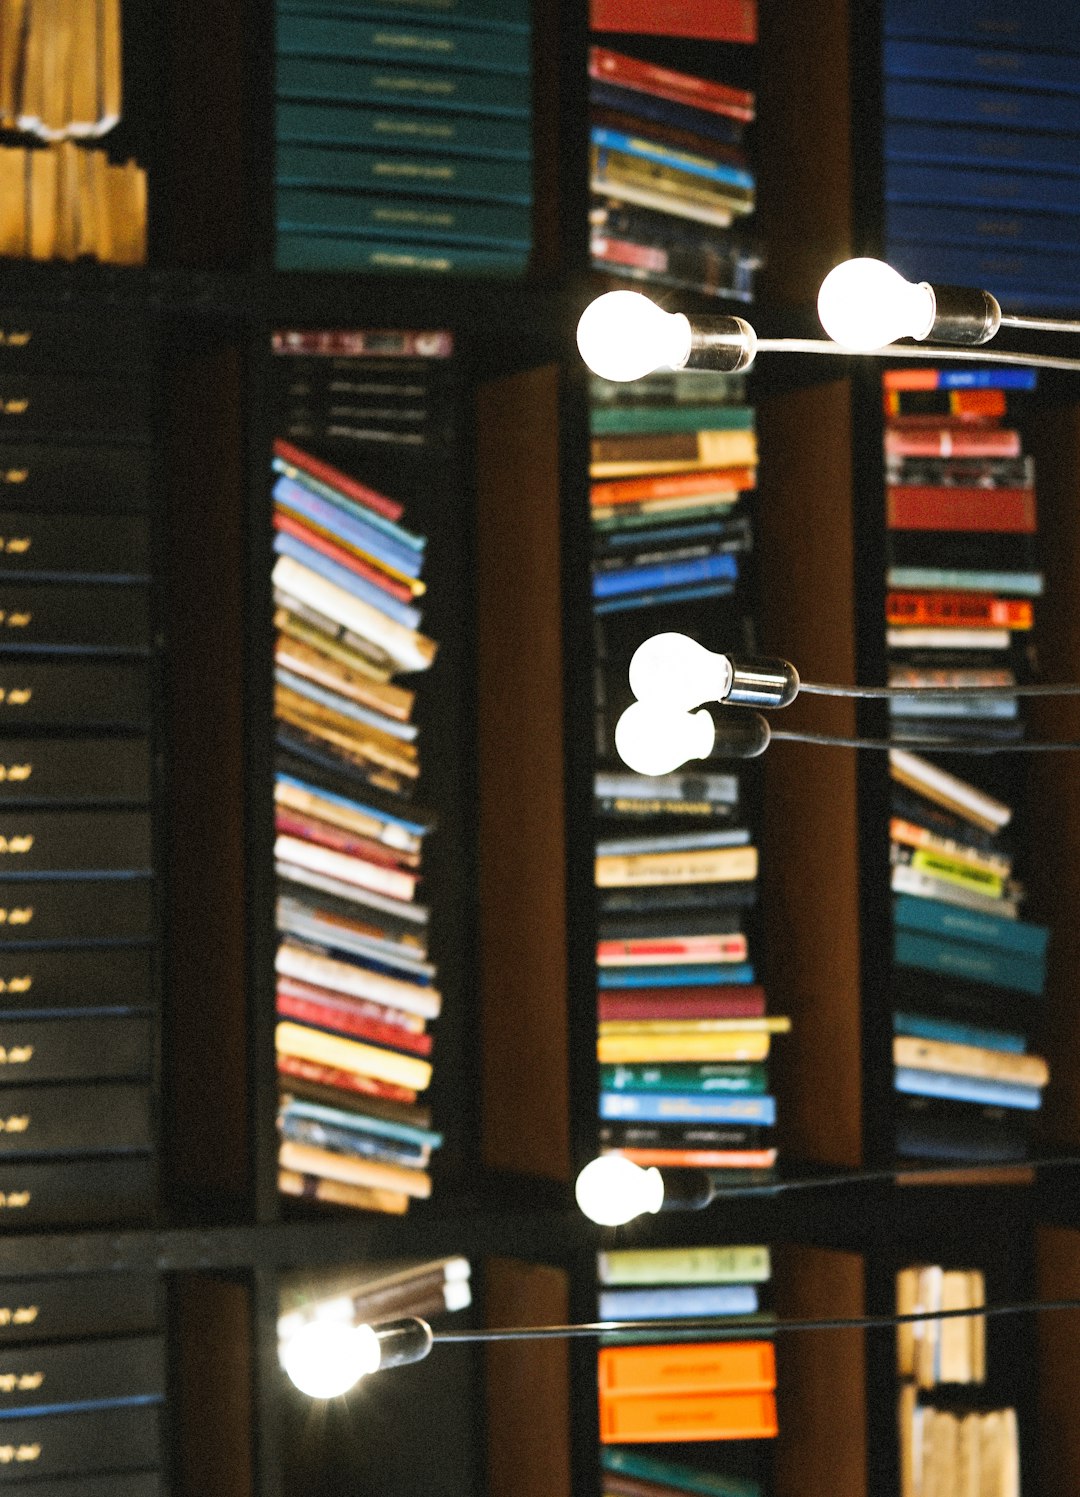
<point x="416" y="828"/>
<point x="967" y="1089"/>
<point x="509" y="15"/>
<point x="976" y="187"/>
<point x="1051" y="25"/>
<point x="687" y="1107"/>
<point x="355" y="38"/>
<point x="959" y="145"/>
<point x="307" y="79"/>
<point x="953" y="1032"/>
<point x="343" y="577"/>
<point x="393" y="530"/>
<point x="350" y="1141"/>
<point x="651" y="107"/>
<point x="645" y="536"/>
<point x="691" y="1301"/>
<point x="416" y="221"/>
<point x="1001" y="377"/>
<point x="993" y="67"/>
<point x="1019" y="584"/>
<point x="960" y="104"/>
<point x="345" y="523"/>
<point x="967" y="706"/>
<point x="647" y="150"/>
<point x="627" y="847"/>
<point x="364" y="1122"/>
<point x="664" y="595"/>
<point x="403" y="130"/>
<point x="721" y="567"/>
<point x="347" y="708"/>
<point x="982" y="964"/>
<point x="333" y="252"/>
<point x="1001" y="271"/>
<point x="693" y="975"/>
<point x="399" y="171"/>
<point x="959" y="924"/>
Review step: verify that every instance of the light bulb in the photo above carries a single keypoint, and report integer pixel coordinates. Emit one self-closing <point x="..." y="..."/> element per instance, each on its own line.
<point x="613" y="1190"/>
<point x="655" y="740"/>
<point x="325" y="1358"/>
<point x="864" y="304"/>
<point x="673" y="670"/>
<point x="623" y="336"/>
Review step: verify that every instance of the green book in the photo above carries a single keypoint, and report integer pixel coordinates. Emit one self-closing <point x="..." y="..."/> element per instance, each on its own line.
<point x="311" y="78"/>
<point x="393" y="171"/>
<point x="402" y="42"/>
<point x="706" y="1076"/>
<point x="618" y="420"/>
<point x="684" y="1265"/>
<point x="329" y="252"/>
<point x="617" y="1459"/>
<point x="404" y="130"/>
<point x="509" y="15"/>
<point x="414" y="221"/>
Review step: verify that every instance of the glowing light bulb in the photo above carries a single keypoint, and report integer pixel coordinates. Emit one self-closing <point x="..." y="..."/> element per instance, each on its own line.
<point x="612" y="1190"/>
<point x="673" y="670"/>
<point x="623" y="336"/>
<point x="655" y="740"/>
<point x="864" y="304"/>
<point x="325" y="1358"/>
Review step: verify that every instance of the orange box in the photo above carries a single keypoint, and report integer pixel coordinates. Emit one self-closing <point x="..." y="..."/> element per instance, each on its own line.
<point x="694" y="1367"/>
<point x="690" y="1416"/>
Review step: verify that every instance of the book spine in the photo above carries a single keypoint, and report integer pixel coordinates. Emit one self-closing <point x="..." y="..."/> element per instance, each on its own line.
<point x="959" y="379"/>
<point x="628" y="420"/>
<point x="678" y="161"/>
<point x="947" y="104"/>
<point x="1030" y="584"/>
<point x="332" y="252"/>
<point x="724" y="567"/>
<point x="681" y="976"/>
<point x="706" y="449"/>
<point x="665" y="1107"/>
<point x="702" y="1159"/>
<point x="489" y="50"/>
<point x="709" y="1004"/>
<point x="1017" y="936"/>
<point x="972" y="963"/>
<point x="351" y="1055"/>
<point x="405" y="130"/>
<point x="716" y="866"/>
<point x="967" y="1089"/>
<point x="357" y="170"/>
<point x="960" y="610"/>
<point x="346" y="485"/>
<point x="706" y="20"/>
<point x="1005" y="510"/>
<point x="709" y="1079"/>
<point x="503" y="14"/>
<point x="731" y="1416"/>
<point x="307" y="80"/>
<point x="948" y="443"/>
<point x="659" y="1304"/>
<point x="712" y="1367"/>
<point x="696" y="93"/>
<point x="414" y="220"/>
<point x="928" y="1027"/>
<point x="699" y="1483"/>
<point x="969" y="1060"/>
<point x="616" y="1049"/>
<point x="684" y="1265"/>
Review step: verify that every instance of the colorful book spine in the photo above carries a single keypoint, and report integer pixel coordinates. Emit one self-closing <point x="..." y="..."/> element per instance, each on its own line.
<point x="667" y="1107"/>
<point x="691" y="1301"/>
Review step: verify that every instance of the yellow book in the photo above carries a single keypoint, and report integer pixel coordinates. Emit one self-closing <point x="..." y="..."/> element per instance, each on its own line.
<point x="59" y="58"/>
<point x="12" y="45"/>
<point x="67" y="199"/>
<point x="684" y="453"/>
<point x="110" y="97"/>
<point x="350" y="818"/>
<point x="970" y="1060"/>
<point x="712" y="865"/>
<point x="316" y="665"/>
<point x="907" y="1427"/>
<point x="927" y="1331"/>
<point x="352" y="1055"/>
<point x="363" y="1197"/>
<point x="954" y="871"/>
<point x="977" y="1324"/>
<point x="967" y="1464"/>
<point x="13" y="201"/>
<point x="777" y="1024"/>
<point x="83" y="118"/>
<point x="31" y="82"/>
<point x="741" y="1045"/>
<point x="955" y="1337"/>
<point x="306" y="1159"/>
<point x="44" y="166"/>
<point x="907" y="1297"/>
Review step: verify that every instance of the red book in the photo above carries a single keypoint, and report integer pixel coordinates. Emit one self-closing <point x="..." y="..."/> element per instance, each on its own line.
<point x="944" y="441"/>
<point x="664" y="950"/>
<point x="921" y="507"/>
<point x="323" y="1016"/>
<point x="704" y="1159"/>
<point x="343" y="1081"/>
<point x="367" y="1008"/>
<point x="294" y="824"/>
<point x="965" y="405"/>
<point x="326" y="473"/>
<point x="733" y="1002"/>
<point x="937" y="610"/>
<point x="672" y="486"/>
<point x="344" y="558"/>
<point x="678" y="88"/>
<point x="708" y="20"/>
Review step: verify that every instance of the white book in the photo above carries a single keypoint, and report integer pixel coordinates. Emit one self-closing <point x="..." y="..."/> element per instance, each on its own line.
<point x="948" y="789"/>
<point x="397" y="882"/>
<point x="356" y="982"/>
<point x="947" y="639"/>
<point x="908" y="880"/>
<point x="310" y="879"/>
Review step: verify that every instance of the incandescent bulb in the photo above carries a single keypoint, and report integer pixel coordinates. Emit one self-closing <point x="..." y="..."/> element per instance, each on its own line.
<point x="655" y="740"/>
<point x="623" y="336"/>
<point x="325" y="1358"/>
<point x="864" y="304"/>
<point x="613" y="1190"/>
<point x="673" y="670"/>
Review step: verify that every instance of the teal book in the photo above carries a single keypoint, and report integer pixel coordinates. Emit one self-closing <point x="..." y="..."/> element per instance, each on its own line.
<point x="618" y="1460"/>
<point x="1014" y="584"/>
<point x="984" y="964"/>
<point x="328" y="252"/>
<point x="959" y="924"/>
<point x="696" y="1076"/>
<point x="311" y="78"/>
<point x="404" y="130"/>
<point x="400" y="42"/>
<point x="622" y="420"/>
<point x="393" y="171"/>
<point x="952" y="1032"/>
<point x="508" y="15"/>
<point x="414" y="221"/>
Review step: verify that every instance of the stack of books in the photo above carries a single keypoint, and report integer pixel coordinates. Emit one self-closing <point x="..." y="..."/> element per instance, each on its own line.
<point x="656" y="1387"/>
<point x="670" y="180"/>
<point x="403" y="138"/>
<point x="364" y="1294"/>
<point x="950" y="1451"/>
<point x="963" y="576"/>
<point x="355" y="988"/>
<point x="982" y="110"/>
<point x="629" y="1473"/>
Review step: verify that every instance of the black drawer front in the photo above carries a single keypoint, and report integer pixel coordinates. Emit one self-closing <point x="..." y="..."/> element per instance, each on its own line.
<point x="90" y="479"/>
<point x="84" y="1192"/>
<point x="74" y="771"/>
<point x="33" y="842"/>
<point x="71" y="911"/>
<point x="88" y="546"/>
<point x="79" y="1305"/>
<point x="75" y="1049"/>
<point x="65" y="1444"/>
<point x="38" y="403"/>
<point x="43" y="1377"/>
<point x="81" y="616"/>
<point x="103" y="977"/>
<point x="105" y="1119"/>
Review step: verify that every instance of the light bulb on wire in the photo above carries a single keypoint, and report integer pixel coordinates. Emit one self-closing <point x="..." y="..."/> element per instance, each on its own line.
<point x="674" y="671"/>
<point x="327" y="1357"/>
<point x="654" y="740"/>
<point x="623" y="336"/>
<point x="612" y="1190"/>
<point x="864" y="304"/>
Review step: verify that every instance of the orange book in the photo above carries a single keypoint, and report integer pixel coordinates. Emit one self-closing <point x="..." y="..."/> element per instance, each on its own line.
<point x="939" y="610"/>
<point x="694" y="1367"/>
<point x="672" y="486"/>
<point x="690" y="1416"/>
<point x="703" y="1159"/>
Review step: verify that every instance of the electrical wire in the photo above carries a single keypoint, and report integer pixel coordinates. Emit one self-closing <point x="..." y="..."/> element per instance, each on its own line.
<point x="926" y="742"/>
<point x="881" y="1176"/>
<point x="828" y="689"/>
<point x="1040" y="324"/>
<point x="905" y="351"/>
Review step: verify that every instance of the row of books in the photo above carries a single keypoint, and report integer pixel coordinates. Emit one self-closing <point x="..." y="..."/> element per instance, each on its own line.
<point x="355" y="985"/>
<point x="403" y="147"/>
<point x="60" y="67"/>
<point x="66" y="202"/>
<point x="941" y="1351"/>
<point x="980" y="139"/>
<point x="665" y="1388"/>
<point x="669" y="177"/>
<point x="79" y="637"/>
<point x="963" y="581"/>
<point x="682" y="1029"/>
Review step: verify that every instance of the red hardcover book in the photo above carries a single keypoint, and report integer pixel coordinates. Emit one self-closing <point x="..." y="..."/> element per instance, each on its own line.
<point x="945" y="441"/>
<point x="733" y="1002"/>
<point x="294" y="824"/>
<point x="703" y="1159"/>
<point x="707" y="20"/>
<point x="678" y="88"/>
<point x="921" y="507"/>
<point x="671" y="486"/>
<point x="306" y="992"/>
<point x="338" y="1021"/>
<point x="344" y="558"/>
<point x="664" y="950"/>
<point x="343" y="1081"/>
<point x="966" y="405"/>
<point x="938" y="610"/>
<point x="326" y="473"/>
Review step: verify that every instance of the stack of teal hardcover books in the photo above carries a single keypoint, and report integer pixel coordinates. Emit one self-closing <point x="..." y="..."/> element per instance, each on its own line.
<point x="403" y="137"/>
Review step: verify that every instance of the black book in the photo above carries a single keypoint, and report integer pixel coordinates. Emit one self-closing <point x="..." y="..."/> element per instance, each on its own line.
<point x="84" y="547"/>
<point x="50" y="477"/>
<point x="950" y="997"/>
<point x="100" y="1440"/>
<point x="72" y="694"/>
<point x="675" y="923"/>
<point x="74" y="771"/>
<point x="43" y="980"/>
<point x="75" y="1049"/>
<point x="964" y="550"/>
<point x="101" y="1119"/>
<point x="77" y="842"/>
<point x="931" y="1128"/>
<point x="38" y="404"/>
<point x="943" y="823"/>
<point x="49" y="1379"/>
<point x="70" y="1306"/>
<point x="36" y="338"/>
<point x="84" y="1192"/>
<point x="109" y="618"/>
<point x="685" y="1136"/>
<point x="947" y="472"/>
<point x="658" y="897"/>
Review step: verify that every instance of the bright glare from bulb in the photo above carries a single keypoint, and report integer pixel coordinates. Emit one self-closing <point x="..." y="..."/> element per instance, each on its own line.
<point x="654" y="740"/>
<point x="674" y="671"/>
<point x="864" y="304"/>
<point x="623" y="336"/>
<point x="612" y="1190"/>
<point x="325" y="1358"/>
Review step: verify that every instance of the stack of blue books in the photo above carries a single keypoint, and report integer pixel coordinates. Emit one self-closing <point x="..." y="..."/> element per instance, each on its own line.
<point x="403" y="145"/>
<point x="982" y="147"/>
